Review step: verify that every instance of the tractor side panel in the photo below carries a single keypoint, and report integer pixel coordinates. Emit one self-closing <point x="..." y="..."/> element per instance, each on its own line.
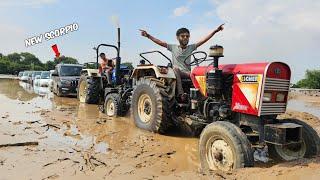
<point x="246" y="93"/>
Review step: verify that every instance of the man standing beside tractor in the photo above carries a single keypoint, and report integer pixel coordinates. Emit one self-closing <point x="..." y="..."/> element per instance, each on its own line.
<point x="180" y="52"/>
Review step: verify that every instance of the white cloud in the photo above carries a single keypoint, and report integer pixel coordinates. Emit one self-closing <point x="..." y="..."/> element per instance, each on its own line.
<point x="180" y="11"/>
<point x="267" y="30"/>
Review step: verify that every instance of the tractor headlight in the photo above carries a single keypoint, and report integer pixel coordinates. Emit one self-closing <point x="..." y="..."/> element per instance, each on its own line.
<point x="267" y="97"/>
<point x="280" y="97"/>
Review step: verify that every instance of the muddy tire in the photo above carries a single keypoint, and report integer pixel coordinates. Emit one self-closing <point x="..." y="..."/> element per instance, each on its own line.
<point x="112" y="105"/>
<point x="309" y="147"/>
<point x="223" y="146"/>
<point x="89" y="89"/>
<point x="150" y="107"/>
<point x="59" y="94"/>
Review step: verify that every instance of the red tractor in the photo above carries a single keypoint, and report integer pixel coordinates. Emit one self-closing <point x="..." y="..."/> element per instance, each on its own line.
<point x="233" y="106"/>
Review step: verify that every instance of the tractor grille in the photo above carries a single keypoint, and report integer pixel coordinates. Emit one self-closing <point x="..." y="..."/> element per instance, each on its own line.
<point x="279" y="85"/>
<point x="273" y="108"/>
<point x="276" y="84"/>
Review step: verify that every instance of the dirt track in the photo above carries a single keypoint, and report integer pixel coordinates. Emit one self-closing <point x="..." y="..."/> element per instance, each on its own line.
<point x="78" y="142"/>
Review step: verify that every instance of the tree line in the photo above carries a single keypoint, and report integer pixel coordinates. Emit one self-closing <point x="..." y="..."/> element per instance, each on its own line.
<point x="16" y="62"/>
<point x="311" y="80"/>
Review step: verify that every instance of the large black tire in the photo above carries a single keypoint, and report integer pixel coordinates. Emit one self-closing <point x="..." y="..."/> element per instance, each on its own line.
<point x="223" y="146"/>
<point x="150" y="107"/>
<point x="112" y="106"/>
<point x="89" y="89"/>
<point x="310" y="144"/>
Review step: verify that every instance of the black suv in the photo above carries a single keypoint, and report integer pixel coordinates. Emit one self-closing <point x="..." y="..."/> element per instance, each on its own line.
<point x="65" y="79"/>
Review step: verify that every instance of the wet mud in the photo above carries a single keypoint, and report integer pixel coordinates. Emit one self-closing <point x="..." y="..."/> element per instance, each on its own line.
<point x="76" y="141"/>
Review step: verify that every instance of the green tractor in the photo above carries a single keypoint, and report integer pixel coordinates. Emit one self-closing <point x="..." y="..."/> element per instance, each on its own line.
<point x="114" y="98"/>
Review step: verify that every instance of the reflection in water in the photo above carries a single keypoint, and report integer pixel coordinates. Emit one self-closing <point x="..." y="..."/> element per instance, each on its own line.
<point x="84" y="128"/>
<point x="14" y="89"/>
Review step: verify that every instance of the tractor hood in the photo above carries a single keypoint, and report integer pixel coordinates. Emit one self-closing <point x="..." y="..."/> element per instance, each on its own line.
<point x="250" y="83"/>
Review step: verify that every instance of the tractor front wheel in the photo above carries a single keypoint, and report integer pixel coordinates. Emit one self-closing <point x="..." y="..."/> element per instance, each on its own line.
<point x="310" y="145"/>
<point x="223" y="146"/>
<point x="112" y="105"/>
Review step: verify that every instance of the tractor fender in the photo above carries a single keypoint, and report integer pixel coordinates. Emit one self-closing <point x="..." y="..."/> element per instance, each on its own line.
<point x="170" y="74"/>
<point x="91" y="72"/>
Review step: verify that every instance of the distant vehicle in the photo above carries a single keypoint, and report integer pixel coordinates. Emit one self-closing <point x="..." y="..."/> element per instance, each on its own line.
<point x="34" y="74"/>
<point x="65" y="79"/>
<point x="20" y="75"/>
<point x="36" y="81"/>
<point x="30" y="76"/>
<point x="25" y="76"/>
<point x="51" y="80"/>
<point x="44" y="79"/>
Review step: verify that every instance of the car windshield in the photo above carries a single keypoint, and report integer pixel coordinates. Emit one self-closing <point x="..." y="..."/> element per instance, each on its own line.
<point x="37" y="73"/>
<point x="45" y="75"/>
<point x="25" y="73"/>
<point x="70" y="70"/>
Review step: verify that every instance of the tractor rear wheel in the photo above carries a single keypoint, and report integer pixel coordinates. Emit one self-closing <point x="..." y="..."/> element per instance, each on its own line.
<point x="223" y="146"/>
<point x="89" y="89"/>
<point x="310" y="145"/>
<point x="150" y="107"/>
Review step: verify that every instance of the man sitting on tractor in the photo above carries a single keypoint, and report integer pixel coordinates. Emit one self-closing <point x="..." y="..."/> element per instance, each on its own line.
<point x="106" y="66"/>
<point x="180" y="52"/>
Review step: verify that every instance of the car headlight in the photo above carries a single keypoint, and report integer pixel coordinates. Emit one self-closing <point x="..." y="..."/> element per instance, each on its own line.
<point x="280" y="97"/>
<point x="267" y="97"/>
<point x="65" y="82"/>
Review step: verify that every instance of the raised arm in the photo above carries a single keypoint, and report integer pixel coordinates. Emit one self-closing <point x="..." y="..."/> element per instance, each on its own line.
<point x="155" y="40"/>
<point x="209" y="36"/>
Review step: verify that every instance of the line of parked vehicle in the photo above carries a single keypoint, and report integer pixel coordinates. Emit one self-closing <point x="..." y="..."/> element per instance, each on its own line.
<point x="36" y="78"/>
<point x="62" y="81"/>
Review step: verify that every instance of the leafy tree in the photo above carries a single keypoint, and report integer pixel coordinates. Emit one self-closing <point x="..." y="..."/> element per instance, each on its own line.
<point x="16" y="62"/>
<point x="14" y="57"/>
<point x="66" y="60"/>
<point x="311" y="81"/>
<point x="29" y="58"/>
<point x="129" y="64"/>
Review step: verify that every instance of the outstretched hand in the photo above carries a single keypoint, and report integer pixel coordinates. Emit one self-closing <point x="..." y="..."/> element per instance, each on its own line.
<point x="220" y="28"/>
<point x="143" y="33"/>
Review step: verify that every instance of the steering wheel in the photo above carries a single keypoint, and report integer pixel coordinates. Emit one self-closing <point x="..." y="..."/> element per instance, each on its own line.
<point x="196" y="60"/>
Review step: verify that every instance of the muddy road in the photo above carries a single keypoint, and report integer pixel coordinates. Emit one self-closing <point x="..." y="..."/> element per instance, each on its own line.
<point x="76" y="141"/>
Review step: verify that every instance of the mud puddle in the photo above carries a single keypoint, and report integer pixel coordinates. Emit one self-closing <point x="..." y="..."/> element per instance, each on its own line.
<point x="76" y="141"/>
<point x="81" y="139"/>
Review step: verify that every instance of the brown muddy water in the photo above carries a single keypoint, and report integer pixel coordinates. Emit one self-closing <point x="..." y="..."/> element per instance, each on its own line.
<point x="76" y="141"/>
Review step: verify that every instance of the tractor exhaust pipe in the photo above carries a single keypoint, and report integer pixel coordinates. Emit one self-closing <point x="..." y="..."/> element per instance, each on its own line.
<point x="118" y="61"/>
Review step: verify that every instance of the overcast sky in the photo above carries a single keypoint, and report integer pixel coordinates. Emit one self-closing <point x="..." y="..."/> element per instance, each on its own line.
<point x="255" y="30"/>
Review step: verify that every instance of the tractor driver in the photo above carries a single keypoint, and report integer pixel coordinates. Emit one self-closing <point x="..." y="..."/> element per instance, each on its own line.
<point x="106" y="66"/>
<point x="180" y="52"/>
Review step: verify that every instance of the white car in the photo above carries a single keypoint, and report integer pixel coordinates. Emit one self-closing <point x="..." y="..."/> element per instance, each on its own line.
<point x="36" y="81"/>
<point x="50" y="79"/>
<point x="45" y="79"/>
<point x="25" y="76"/>
<point x="20" y="75"/>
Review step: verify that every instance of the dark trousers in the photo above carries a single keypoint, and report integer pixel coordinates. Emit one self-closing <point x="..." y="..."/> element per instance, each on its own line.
<point x="180" y="75"/>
